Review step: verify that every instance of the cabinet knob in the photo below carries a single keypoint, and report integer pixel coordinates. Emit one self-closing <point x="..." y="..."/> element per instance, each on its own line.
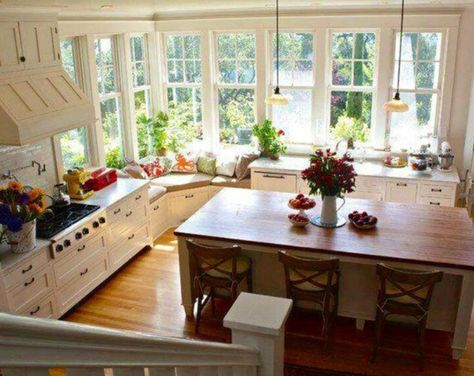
<point x="22" y="59"/>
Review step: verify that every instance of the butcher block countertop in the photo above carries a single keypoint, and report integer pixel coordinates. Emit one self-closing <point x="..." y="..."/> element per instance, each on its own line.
<point x="410" y="233"/>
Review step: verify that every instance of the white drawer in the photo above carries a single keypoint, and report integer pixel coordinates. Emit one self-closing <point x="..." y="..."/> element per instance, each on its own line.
<point x="136" y="214"/>
<point x="273" y="181"/>
<point x="185" y="205"/>
<point x="366" y="195"/>
<point x="159" y="216"/>
<point x="401" y="191"/>
<point x="435" y="201"/>
<point x="26" y="268"/>
<point x="138" y="198"/>
<point x="44" y="308"/>
<point x="93" y="273"/>
<point x="369" y="184"/>
<point x="69" y="267"/>
<point x="117" y="212"/>
<point x="135" y="242"/>
<point x="31" y="289"/>
<point x="434" y="190"/>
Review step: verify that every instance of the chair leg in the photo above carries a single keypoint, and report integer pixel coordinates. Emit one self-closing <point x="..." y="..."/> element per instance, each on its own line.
<point x="326" y="313"/>
<point x="198" y="315"/>
<point x="379" y="318"/>
<point x="250" y="280"/>
<point x="421" y="343"/>
<point x="213" y="302"/>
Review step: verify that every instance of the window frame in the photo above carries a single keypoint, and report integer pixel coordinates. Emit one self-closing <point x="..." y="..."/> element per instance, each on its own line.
<point x="216" y="85"/>
<point x="79" y="80"/>
<point x="313" y="87"/>
<point x="439" y="91"/>
<point x="374" y="89"/>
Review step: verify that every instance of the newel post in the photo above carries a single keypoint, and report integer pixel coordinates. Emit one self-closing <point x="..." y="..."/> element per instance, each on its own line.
<point x="259" y="321"/>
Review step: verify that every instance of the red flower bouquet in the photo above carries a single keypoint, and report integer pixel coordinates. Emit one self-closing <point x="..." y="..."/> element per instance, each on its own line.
<point x="329" y="175"/>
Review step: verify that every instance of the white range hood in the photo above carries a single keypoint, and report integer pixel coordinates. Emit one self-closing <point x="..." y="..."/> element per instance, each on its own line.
<point x="36" y="104"/>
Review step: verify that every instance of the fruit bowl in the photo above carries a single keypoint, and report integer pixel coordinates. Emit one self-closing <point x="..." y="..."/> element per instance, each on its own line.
<point x="298" y="220"/>
<point x="301" y="202"/>
<point x="363" y="221"/>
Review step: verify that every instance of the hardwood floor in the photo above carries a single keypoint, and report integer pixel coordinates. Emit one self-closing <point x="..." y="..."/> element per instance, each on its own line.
<point x="144" y="296"/>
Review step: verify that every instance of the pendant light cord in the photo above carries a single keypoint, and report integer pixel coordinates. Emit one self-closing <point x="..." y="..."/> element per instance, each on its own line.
<point x="278" y="45"/>
<point x="400" y="49"/>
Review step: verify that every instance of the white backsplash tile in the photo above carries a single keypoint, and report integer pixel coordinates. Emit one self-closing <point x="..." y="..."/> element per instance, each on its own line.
<point x="13" y="157"/>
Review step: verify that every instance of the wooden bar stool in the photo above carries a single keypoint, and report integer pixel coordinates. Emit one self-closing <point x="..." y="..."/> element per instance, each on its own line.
<point x="219" y="272"/>
<point x="406" y="293"/>
<point x="313" y="280"/>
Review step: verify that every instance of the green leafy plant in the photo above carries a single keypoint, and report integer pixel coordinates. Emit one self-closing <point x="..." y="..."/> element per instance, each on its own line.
<point x="269" y="138"/>
<point x="114" y="158"/>
<point x="350" y="128"/>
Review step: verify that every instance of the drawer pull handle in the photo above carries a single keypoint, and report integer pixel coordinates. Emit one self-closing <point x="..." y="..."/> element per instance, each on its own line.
<point x="138" y="197"/>
<point x="131" y="237"/>
<point x="35" y="311"/>
<point x="129" y="214"/>
<point x="436" y="190"/>
<point x="29" y="282"/>
<point x="84" y="272"/>
<point x="435" y="203"/>
<point x="27" y="269"/>
<point x="117" y="211"/>
<point x="274" y="176"/>
<point x="81" y="248"/>
<point x="189" y="196"/>
<point x="401" y="184"/>
<point x="156" y="208"/>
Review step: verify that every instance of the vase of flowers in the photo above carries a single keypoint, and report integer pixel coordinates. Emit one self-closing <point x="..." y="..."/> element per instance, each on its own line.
<point x="270" y="139"/>
<point x="331" y="177"/>
<point x="19" y="208"/>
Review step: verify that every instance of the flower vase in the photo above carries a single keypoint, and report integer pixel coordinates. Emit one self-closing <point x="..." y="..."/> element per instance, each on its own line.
<point x="23" y="241"/>
<point x="328" y="218"/>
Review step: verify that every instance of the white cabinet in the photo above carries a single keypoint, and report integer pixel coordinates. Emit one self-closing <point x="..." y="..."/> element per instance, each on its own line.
<point x="401" y="191"/>
<point x="369" y="189"/>
<point x="184" y="204"/>
<point x="366" y="195"/>
<point x="274" y="181"/>
<point x="28" y="44"/>
<point x="159" y="216"/>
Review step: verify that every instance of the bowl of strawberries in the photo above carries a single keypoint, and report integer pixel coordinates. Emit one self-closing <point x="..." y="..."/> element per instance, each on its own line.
<point x="363" y="221"/>
<point x="301" y="202"/>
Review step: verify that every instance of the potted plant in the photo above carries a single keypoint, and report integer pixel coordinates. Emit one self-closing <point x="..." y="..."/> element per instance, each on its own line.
<point x="157" y="128"/>
<point x="269" y="139"/>
<point x="350" y="129"/>
<point x="19" y="208"/>
<point x="331" y="177"/>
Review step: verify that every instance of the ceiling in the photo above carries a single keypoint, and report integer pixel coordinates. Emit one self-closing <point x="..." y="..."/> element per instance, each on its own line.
<point x="167" y="8"/>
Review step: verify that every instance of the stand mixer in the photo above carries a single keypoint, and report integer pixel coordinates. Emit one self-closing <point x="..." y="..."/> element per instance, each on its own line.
<point x="75" y="180"/>
<point x="446" y="157"/>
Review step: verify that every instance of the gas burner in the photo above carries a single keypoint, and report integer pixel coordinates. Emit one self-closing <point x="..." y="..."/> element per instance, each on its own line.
<point x="61" y="218"/>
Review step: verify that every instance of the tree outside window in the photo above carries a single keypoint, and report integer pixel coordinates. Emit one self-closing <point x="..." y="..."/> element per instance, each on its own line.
<point x="352" y="85"/>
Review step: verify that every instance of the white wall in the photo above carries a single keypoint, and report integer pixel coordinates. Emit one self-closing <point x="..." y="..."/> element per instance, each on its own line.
<point x="461" y="130"/>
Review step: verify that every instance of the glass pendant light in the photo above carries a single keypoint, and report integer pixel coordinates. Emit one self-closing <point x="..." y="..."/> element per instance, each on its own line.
<point x="396" y="104"/>
<point x="277" y="99"/>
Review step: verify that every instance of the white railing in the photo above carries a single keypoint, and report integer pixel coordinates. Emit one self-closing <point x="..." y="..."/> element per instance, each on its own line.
<point x="31" y="347"/>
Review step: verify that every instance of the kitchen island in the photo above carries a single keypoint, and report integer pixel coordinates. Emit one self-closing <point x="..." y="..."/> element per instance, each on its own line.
<point x="409" y="236"/>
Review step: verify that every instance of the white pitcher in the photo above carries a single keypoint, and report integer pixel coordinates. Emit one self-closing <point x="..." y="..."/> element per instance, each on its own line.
<point x="329" y="210"/>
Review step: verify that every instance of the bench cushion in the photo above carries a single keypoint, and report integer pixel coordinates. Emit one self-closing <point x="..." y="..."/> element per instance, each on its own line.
<point x="225" y="181"/>
<point x="177" y="181"/>
<point x="155" y="192"/>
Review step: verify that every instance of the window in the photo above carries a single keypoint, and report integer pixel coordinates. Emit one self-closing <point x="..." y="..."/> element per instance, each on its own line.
<point x="296" y="81"/>
<point x="352" y="85"/>
<point x="74" y="143"/>
<point x="236" y="78"/>
<point x="141" y="92"/>
<point x="109" y="94"/>
<point x="420" y="88"/>
<point x="183" y="88"/>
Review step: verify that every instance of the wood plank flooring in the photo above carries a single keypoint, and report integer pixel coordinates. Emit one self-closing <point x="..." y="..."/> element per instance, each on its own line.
<point x="144" y="296"/>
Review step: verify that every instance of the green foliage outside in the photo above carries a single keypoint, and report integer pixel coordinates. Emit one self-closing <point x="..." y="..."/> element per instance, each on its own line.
<point x="74" y="148"/>
<point x="350" y="128"/>
<point x="269" y="139"/>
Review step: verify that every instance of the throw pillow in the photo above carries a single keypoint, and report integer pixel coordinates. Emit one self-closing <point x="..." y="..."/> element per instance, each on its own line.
<point x="242" y="169"/>
<point x="154" y="169"/>
<point x="207" y="165"/>
<point x="134" y="170"/>
<point x="185" y="163"/>
<point x="226" y="165"/>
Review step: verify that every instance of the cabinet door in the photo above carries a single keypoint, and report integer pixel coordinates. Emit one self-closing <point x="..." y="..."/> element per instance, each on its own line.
<point x="366" y="195"/>
<point x="40" y="43"/>
<point x="185" y="205"/>
<point x="401" y="191"/>
<point x="266" y="181"/>
<point x="10" y="47"/>
<point x="159" y="216"/>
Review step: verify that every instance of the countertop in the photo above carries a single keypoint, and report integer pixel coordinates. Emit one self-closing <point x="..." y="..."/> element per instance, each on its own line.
<point x="116" y="192"/>
<point x="405" y="232"/>
<point x="292" y="164"/>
